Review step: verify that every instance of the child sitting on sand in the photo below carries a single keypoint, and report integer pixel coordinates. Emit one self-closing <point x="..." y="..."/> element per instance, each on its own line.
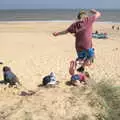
<point x="78" y="75"/>
<point x="10" y="77"/>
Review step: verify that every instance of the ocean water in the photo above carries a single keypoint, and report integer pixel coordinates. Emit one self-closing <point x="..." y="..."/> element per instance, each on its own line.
<point x="54" y="15"/>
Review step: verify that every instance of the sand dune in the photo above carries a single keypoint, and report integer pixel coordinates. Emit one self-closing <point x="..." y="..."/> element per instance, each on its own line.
<point x="32" y="52"/>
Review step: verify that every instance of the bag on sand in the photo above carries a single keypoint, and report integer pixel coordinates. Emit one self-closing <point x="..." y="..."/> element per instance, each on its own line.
<point x="49" y="79"/>
<point x="46" y="80"/>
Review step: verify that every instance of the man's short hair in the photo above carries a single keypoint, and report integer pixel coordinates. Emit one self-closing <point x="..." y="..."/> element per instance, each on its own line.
<point x="81" y="14"/>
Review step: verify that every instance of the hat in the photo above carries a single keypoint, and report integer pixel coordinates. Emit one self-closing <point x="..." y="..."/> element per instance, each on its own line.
<point x="81" y="14"/>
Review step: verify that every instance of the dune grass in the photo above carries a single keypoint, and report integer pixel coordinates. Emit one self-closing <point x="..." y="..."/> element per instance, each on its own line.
<point x="111" y="96"/>
<point x="98" y="102"/>
<point x="103" y="100"/>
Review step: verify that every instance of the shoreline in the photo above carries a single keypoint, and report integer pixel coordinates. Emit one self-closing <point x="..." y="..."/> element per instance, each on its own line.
<point x="55" y="21"/>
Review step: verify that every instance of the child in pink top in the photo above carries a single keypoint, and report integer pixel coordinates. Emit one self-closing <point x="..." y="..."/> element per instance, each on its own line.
<point x="78" y="76"/>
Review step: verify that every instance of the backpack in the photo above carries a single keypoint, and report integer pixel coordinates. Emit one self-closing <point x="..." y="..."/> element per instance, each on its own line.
<point x="49" y="79"/>
<point x="46" y="80"/>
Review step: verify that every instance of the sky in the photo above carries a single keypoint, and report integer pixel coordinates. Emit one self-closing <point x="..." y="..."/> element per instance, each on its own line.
<point x="65" y="4"/>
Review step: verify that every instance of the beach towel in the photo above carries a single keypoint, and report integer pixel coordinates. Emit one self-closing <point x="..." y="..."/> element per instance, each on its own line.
<point x="99" y="35"/>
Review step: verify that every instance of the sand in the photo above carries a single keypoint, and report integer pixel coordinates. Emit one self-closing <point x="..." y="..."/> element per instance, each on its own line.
<point x="32" y="52"/>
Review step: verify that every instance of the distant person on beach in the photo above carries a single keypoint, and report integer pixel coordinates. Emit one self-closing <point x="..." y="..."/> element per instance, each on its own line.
<point x="1" y="63"/>
<point x="82" y="30"/>
<point x="96" y="32"/>
<point x="113" y="27"/>
<point x="9" y="77"/>
<point x="78" y="76"/>
<point x="118" y="28"/>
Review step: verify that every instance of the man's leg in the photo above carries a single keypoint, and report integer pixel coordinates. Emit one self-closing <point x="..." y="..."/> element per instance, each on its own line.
<point x="72" y="67"/>
<point x="88" y="62"/>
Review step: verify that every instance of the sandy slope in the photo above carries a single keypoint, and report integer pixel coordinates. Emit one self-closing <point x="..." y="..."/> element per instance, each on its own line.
<point x="32" y="52"/>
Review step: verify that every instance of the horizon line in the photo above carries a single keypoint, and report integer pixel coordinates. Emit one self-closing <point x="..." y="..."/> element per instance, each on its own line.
<point x="59" y="8"/>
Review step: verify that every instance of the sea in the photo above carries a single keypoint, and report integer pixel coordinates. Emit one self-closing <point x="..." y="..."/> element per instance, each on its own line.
<point x="54" y="15"/>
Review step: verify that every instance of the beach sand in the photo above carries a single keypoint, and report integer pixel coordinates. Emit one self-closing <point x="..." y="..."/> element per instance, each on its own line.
<point x="32" y="52"/>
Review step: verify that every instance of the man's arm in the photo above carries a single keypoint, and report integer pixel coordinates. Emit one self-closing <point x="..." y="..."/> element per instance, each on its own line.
<point x="96" y="13"/>
<point x="60" y="33"/>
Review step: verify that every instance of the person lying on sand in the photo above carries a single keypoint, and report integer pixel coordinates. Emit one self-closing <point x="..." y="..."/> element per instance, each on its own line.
<point x="78" y="76"/>
<point x="99" y="35"/>
<point x="9" y="77"/>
